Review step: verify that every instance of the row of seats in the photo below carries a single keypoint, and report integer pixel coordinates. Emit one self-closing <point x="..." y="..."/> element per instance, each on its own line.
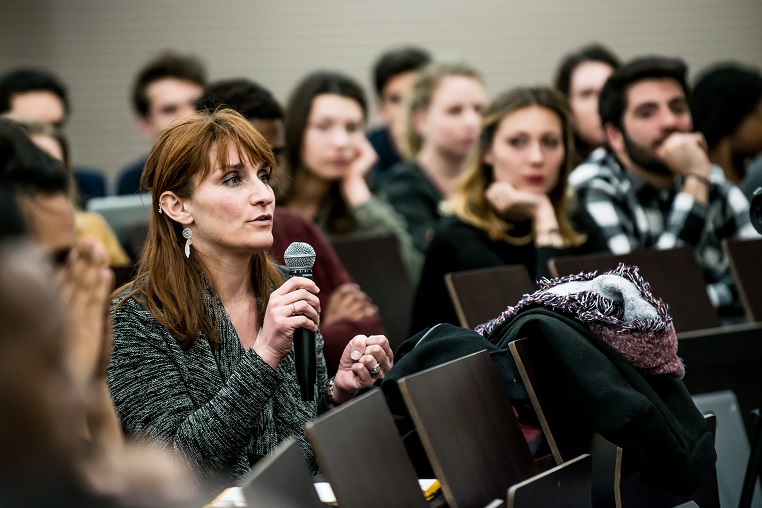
<point x="479" y="295"/>
<point x="472" y="438"/>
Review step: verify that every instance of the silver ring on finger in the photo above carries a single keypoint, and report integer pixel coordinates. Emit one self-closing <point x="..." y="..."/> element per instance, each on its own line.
<point x="376" y="369"/>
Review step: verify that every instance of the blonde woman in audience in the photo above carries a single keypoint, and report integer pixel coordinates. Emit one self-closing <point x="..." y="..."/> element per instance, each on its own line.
<point x="329" y="158"/>
<point x="54" y="142"/>
<point x="509" y="205"/>
<point x="202" y="358"/>
<point x="444" y="112"/>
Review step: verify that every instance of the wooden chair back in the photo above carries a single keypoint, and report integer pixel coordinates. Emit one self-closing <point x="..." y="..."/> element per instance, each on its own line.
<point x="745" y="258"/>
<point x="565" y="485"/>
<point x="362" y="455"/>
<point x="468" y="429"/>
<point x="374" y="262"/>
<point x="281" y="479"/>
<point x="674" y="275"/>
<point x="566" y="437"/>
<point x="480" y="295"/>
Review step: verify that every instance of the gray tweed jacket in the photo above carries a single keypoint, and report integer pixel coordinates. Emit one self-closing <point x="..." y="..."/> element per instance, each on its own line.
<point x="222" y="408"/>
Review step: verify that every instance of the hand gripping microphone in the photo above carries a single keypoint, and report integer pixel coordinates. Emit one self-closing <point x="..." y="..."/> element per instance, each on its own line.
<point x="299" y="258"/>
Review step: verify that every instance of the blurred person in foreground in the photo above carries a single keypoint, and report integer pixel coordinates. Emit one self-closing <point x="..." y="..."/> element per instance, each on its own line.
<point x="59" y="431"/>
<point x="54" y="142"/>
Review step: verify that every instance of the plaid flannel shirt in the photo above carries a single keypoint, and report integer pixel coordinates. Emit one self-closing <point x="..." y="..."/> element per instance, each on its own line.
<point x="630" y="214"/>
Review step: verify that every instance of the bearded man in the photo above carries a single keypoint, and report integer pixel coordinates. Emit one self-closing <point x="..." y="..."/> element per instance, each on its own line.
<point x="653" y="185"/>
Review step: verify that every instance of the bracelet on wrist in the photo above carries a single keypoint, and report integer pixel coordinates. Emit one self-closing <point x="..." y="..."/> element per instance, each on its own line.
<point x="701" y="178"/>
<point x="329" y="391"/>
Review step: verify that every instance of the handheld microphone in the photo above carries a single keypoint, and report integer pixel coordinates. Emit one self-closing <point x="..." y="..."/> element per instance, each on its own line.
<point x="299" y="258"/>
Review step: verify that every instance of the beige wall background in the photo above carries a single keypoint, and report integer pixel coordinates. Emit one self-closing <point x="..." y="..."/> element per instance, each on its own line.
<point x="96" y="46"/>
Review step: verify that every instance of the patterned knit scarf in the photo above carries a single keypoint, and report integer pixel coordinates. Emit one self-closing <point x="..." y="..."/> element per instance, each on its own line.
<point x="619" y="307"/>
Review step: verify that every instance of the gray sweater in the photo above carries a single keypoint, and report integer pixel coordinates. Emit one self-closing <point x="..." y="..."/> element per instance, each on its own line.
<point x="222" y="408"/>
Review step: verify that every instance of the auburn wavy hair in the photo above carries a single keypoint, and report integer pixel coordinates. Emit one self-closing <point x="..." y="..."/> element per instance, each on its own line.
<point x="469" y="202"/>
<point x="168" y="284"/>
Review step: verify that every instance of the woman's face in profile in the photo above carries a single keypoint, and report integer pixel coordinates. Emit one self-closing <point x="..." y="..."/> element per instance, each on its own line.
<point x="585" y="85"/>
<point x="232" y="208"/>
<point x="528" y="149"/>
<point x="335" y="129"/>
<point x="451" y="122"/>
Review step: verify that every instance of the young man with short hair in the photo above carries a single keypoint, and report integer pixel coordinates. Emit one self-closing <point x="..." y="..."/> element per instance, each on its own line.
<point x="393" y="76"/>
<point x="34" y="93"/>
<point x="165" y="90"/>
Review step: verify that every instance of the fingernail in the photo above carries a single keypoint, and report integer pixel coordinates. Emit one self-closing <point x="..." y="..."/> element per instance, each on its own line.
<point x="356" y="354"/>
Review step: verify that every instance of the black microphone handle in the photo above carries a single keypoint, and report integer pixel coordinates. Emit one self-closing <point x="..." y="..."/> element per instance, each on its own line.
<point x="305" y="360"/>
<point x="305" y="355"/>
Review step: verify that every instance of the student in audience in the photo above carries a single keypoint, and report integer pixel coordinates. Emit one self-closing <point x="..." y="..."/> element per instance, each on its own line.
<point x="393" y="76"/>
<point x="444" y="112"/>
<point x="34" y="93"/>
<point x="165" y="90"/>
<point x="727" y="109"/>
<point x="580" y="77"/>
<point x="42" y="96"/>
<point x="509" y="204"/>
<point x="202" y="356"/>
<point x="655" y="186"/>
<point x="329" y="158"/>
<point x="87" y="224"/>
<point x="346" y="310"/>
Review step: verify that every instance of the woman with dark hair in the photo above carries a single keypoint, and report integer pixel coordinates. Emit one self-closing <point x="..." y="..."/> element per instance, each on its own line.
<point x="202" y="355"/>
<point x="329" y="157"/>
<point x="509" y="204"/>
<point x="726" y="107"/>
<point x="580" y="77"/>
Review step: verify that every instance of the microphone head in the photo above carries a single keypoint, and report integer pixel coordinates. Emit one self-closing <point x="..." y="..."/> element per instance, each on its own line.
<point x="299" y="256"/>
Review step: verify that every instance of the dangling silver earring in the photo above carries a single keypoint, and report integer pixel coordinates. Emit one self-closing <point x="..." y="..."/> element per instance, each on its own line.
<point x="160" y="210"/>
<point x="187" y="235"/>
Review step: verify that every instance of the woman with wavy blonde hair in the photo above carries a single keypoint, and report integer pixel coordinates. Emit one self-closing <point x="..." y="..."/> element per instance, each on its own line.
<point x="509" y="206"/>
<point x="444" y="113"/>
<point x="202" y="357"/>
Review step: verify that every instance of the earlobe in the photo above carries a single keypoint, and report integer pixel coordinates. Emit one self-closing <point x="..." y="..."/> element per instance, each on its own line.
<point x="176" y="208"/>
<point x="418" y="121"/>
<point x="487" y="158"/>
<point x="613" y="137"/>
